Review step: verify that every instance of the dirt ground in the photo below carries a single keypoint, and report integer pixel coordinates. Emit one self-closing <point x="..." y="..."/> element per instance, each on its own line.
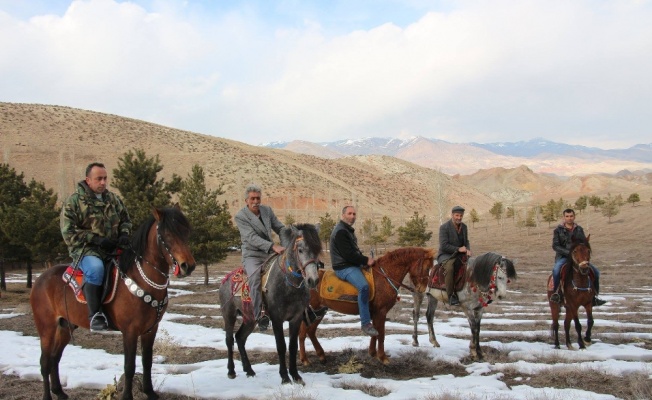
<point x="622" y="250"/>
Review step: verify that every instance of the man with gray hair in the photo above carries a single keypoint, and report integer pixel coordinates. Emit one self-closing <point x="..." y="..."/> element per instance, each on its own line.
<point x="256" y="223"/>
<point x="453" y="248"/>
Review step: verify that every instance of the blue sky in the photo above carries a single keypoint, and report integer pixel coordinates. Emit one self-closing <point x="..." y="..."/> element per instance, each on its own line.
<point x="258" y="71"/>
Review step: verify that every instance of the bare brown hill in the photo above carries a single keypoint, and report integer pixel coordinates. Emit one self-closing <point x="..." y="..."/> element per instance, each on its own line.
<point x="53" y="144"/>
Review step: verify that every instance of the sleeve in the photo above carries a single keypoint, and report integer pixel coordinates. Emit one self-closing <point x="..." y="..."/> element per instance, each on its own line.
<point x="445" y="246"/>
<point x="72" y="234"/>
<point x="467" y="244"/>
<point x="556" y="244"/>
<point x="249" y="237"/>
<point x="125" y="222"/>
<point x="348" y="250"/>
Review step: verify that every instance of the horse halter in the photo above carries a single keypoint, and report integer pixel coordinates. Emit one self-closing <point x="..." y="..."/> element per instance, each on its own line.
<point x="582" y="266"/>
<point x="176" y="268"/>
<point x="301" y="273"/>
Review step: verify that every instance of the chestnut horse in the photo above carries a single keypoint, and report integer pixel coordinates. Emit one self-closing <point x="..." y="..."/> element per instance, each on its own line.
<point x="138" y="305"/>
<point x="388" y="272"/>
<point x="578" y="291"/>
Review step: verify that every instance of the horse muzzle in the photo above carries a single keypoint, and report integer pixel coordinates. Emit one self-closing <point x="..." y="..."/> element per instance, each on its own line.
<point x="184" y="269"/>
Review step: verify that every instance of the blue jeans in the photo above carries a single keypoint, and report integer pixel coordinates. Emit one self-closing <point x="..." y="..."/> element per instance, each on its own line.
<point x="93" y="269"/>
<point x="556" y="274"/>
<point x="354" y="276"/>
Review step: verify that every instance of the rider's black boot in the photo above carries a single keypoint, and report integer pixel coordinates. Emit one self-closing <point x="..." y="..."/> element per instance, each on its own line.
<point x="95" y="316"/>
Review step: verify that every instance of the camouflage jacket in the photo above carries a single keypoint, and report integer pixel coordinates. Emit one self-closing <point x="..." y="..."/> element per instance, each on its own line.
<point x="84" y="216"/>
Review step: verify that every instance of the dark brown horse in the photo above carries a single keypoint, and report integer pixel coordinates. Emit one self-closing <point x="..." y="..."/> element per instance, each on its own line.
<point x="578" y="291"/>
<point x="388" y="271"/>
<point x="140" y="300"/>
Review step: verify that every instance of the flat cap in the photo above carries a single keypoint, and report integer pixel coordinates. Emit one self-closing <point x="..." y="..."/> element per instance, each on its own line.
<point x="457" y="209"/>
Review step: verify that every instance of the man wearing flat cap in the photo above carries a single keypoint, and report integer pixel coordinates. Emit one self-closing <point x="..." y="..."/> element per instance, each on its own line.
<point x="454" y="248"/>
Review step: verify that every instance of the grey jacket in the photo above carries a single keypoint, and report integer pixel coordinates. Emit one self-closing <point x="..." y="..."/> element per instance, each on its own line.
<point x="257" y="238"/>
<point x="450" y="240"/>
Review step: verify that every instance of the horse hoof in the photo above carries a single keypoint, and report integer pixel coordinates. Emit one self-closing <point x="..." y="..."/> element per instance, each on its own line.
<point x="415" y="344"/>
<point x="305" y="363"/>
<point x="231" y="375"/>
<point x="286" y="381"/>
<point x="250" y="374"/>
<point x="299" y="381"/>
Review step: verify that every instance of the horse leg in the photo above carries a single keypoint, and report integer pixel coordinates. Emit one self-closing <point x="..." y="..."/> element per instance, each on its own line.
<point x="311" y="332"/>
<point x="130" y="345"/>
<point x="373" y="352"/>
<point x="379" y="323"/>
<point x="589" y="323"/>
<point x="578" y="329"/>
<point x="294" y="334"/>
<point x="567" y="323"/>
<point x="241" y="339"/>
<point x="147" y="346"/>
<point x="430" y="320"/>
<point x="281" y="349"/>
<point x="61" y="340"/>
<point x="474" y="317"/>
<point x="418" y="299"/>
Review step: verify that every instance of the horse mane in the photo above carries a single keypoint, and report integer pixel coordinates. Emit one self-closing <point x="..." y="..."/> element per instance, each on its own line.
<point x="171" y="220"/>
<point x="399" y="255"/>
<point x="311" y="237"/>
<point x="482" y="268"/>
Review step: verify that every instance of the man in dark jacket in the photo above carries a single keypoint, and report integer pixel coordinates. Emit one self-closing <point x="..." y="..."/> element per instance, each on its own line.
<point x="94" y="222"/>
<point x="348" y="261"/>
<point x="453" y="247"/>
<point x="562" y="239"/>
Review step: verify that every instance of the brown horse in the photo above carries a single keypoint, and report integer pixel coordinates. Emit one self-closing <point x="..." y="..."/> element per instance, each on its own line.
<point x="578" y="291"/>
<point x="388" y="272"/>
<point x="159" y="244"/>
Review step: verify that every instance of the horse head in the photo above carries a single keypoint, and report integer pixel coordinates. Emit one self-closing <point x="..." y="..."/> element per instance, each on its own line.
<point x="580" y="252"/>
<point x="303" y="247"/>
<point x="172" y="233"/>
<point x="505" y="272"/>
<point x="419" y="271"/>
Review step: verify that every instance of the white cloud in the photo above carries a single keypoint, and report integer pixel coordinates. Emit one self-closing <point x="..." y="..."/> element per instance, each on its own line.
<point x="483" y="71"/>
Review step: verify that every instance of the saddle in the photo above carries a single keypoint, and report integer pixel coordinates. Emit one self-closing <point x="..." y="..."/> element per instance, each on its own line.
<point x="333" y="288"/>
<point x="564" y="272"/>
<point x="75" y="279"/>
<point x="437" y="277"/>
<point x="239" y="282"/>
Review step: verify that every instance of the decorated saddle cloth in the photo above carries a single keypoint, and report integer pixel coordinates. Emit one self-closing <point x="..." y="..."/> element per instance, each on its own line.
<point x="564" y="271"/>
<point x="75" y="279"/>
<point x="240" y="284"/>
<point x="333" y="288"/>
<point x="438" y="277"/>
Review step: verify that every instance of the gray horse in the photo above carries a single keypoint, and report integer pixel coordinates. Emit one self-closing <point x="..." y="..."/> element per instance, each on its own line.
<point x="286" y="294"/>
<point x="487" y="278"/>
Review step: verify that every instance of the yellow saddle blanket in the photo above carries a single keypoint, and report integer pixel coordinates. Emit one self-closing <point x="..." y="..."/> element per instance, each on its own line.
<point x="333" y="288"/>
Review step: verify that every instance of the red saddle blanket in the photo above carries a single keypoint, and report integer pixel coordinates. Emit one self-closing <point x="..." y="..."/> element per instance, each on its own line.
<point x="438" y="278"/>
<point x="75" y="279"/>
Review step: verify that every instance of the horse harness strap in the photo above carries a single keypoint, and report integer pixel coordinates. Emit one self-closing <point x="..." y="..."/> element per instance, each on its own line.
<point x="485" y="296"/>
<point x="146" y="297"/>
<point x="584" y="289"/>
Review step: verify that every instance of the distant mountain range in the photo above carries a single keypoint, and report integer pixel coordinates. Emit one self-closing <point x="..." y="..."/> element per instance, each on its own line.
<point x="540" y="155"/>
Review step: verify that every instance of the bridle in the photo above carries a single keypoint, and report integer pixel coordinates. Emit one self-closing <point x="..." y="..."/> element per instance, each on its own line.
<point x="395" y="284"/>
<point x="484" y="297"/>
<point x="286" y="266"/>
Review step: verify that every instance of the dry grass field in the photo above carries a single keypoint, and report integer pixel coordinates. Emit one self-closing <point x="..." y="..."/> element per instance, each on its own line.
<point x="622" y="249"/>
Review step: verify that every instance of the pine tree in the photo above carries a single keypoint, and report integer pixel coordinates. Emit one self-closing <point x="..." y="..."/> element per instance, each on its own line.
<point x="414" y="232"/>
<point x="611" y="206"/>
<point x="140" y="190"/>
<point x="497" y="210"/>
<point x="633" y="198"/>
<point x="212" y="228"/>
<point x="474" y="217"/>
<point x="326" y="226"/>
<point x="386" y="228"/>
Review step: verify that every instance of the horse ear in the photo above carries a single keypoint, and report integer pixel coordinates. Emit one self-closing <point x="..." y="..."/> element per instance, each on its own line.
<point x="588" y="237"/>
<point x="157" y="214"/>
<point x="177" y="206"/>
<point x="286" y="235"/>
<point x="318" y="226"/>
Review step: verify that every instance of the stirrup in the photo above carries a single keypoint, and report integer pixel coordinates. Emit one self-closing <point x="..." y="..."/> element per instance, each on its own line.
<point x="263" y="322"/>
<point x="555" y="298"/>
<point x="98" y="323"/>
<point x="598" y="301"/>
<point x="453" y="300"/>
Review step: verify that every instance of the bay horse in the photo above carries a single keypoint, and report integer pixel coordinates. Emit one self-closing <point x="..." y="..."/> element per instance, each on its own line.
<point x="138" y="305"/>
<point x="487" y="277"/>
<point x="290" y="277"/>
<point x="578" y="291"/>
<point x="389" y="271"/>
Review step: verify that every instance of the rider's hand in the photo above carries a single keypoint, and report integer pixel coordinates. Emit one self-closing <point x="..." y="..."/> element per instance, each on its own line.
<point x="278" y="249"/>
<point x="371" y="262"/>
<point x="104" y="243"/>
<point x="124" y="242"/>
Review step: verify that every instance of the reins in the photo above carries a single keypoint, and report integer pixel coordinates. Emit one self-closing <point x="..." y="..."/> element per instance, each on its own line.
<point x="395" y="284"/>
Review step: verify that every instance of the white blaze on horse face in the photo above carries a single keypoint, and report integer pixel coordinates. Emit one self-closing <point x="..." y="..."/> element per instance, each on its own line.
<point x="501" y="283"/>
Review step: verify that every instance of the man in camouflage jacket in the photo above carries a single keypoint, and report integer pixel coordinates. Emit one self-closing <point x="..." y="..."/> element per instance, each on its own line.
<point x="94" y="222"/>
